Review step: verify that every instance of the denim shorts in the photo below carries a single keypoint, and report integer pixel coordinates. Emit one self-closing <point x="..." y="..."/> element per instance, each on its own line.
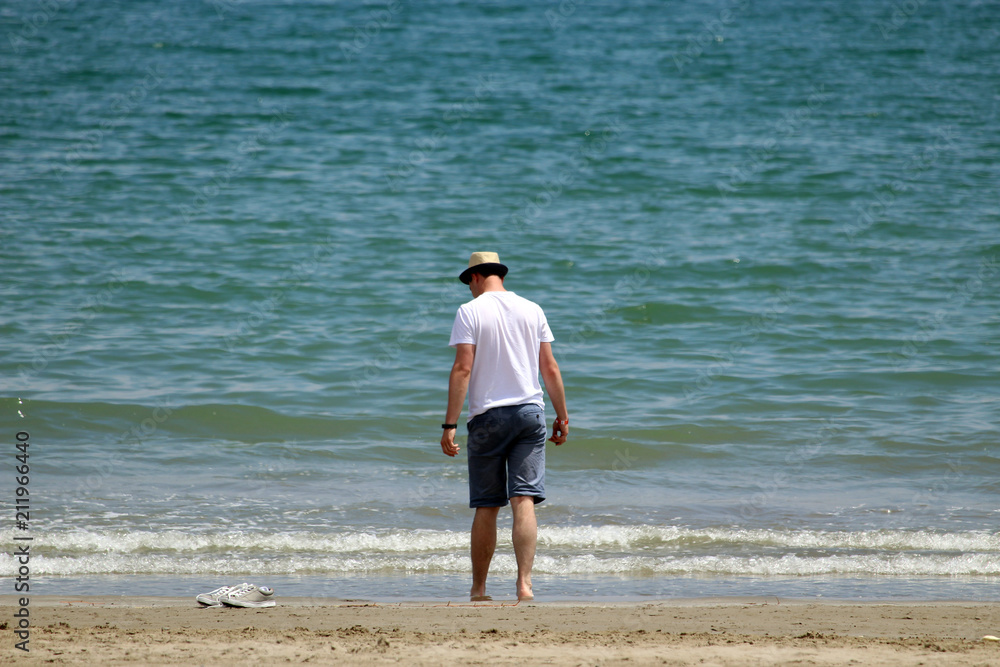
<point x="506" y="455"/>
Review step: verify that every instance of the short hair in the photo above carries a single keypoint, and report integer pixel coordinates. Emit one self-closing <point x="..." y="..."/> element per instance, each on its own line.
<point x="486" y="271"/>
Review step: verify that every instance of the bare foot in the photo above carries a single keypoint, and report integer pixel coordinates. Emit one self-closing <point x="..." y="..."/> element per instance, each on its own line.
<point x="480" y="598"/>
<point x="524" y="593"/>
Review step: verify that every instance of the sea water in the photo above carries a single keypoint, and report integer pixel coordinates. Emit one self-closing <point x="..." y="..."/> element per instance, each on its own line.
<point x="766" y="235"/>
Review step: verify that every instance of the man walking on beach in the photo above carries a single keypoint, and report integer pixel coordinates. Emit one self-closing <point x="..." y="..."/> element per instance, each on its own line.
<point x="502" y="341"/>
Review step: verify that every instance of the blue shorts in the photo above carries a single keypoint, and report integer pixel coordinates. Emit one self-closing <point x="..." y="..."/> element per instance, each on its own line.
<point x="506" y="455"/>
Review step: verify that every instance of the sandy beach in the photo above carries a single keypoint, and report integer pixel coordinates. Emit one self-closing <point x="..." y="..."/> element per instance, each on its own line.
<point x="758" y="631"/>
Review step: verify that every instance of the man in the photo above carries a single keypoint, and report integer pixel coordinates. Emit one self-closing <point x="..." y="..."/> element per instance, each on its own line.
<point x="502" y="341"/>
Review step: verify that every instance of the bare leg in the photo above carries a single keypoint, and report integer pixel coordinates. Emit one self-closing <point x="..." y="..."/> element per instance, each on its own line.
<point x="525" y="536"/>
<point x="484" y="543"/>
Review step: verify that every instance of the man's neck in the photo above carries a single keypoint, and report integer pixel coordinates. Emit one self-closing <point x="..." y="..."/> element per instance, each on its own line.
<point x="493" y="284"/>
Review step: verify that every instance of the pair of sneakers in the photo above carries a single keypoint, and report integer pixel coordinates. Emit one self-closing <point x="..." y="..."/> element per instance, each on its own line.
<point x="240" y="595"/>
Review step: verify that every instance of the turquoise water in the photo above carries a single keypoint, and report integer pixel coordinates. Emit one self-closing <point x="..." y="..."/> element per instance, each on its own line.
<point x="766" y="236"/>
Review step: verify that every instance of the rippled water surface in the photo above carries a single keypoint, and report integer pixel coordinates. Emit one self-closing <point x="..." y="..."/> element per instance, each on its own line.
<point x="766" y="236"/>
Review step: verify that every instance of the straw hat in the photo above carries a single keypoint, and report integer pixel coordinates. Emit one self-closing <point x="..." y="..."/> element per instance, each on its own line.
<point x="486" y="260"/>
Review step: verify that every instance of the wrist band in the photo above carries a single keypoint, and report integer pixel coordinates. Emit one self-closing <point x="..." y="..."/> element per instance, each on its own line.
<point x="564" y="422"/>
<point x="446" y="426"/>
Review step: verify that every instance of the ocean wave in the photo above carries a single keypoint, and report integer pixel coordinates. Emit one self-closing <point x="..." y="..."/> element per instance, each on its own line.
<point x="880" y="565"/>
<point x="571" y="539"/>
<point x="651" y="536"/>
<point x="185" y="542"/>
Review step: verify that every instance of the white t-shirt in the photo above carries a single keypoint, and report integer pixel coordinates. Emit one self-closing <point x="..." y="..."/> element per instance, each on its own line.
<point x="507" y="331"/>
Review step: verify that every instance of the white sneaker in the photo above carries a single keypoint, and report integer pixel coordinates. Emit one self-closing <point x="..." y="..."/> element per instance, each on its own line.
<point x="213" y="598"/>
<point x="249" y="596"/>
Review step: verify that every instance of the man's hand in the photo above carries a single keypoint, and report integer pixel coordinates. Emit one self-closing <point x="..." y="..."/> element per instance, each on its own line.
<point x="448" y="445"/>
<point x="560" y="431"/>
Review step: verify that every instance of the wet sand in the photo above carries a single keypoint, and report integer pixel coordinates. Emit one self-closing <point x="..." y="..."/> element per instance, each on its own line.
<point x="751" y="631"/>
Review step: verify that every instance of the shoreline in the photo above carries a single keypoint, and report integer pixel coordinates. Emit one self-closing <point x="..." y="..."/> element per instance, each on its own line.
<point x="412" y="587"/>
<point x="63" y="601"/>
<point x="722" y="631"/>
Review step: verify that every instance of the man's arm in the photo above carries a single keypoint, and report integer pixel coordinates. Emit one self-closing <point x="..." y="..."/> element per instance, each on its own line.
<point x="557" y="393"/>
<point x="458" y="386"/>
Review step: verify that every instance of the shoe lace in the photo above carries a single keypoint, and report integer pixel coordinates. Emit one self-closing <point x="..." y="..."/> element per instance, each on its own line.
<point x="241" y="590"/>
